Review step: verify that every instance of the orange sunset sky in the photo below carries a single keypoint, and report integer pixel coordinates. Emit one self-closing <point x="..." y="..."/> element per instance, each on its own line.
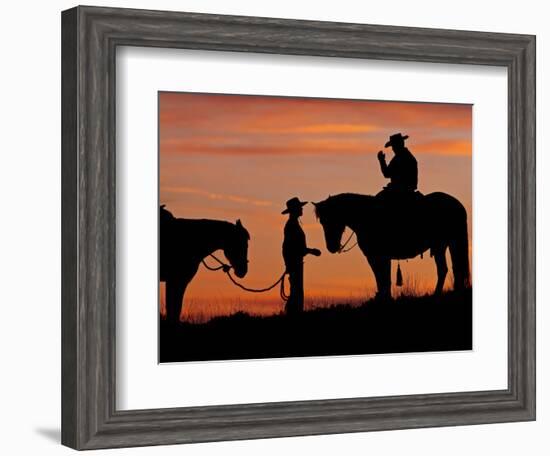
<point x="232" y="156"/>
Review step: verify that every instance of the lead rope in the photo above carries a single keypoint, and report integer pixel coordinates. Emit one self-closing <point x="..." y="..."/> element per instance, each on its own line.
<point x="227" y="269"/>
<point x="343" y="247"/>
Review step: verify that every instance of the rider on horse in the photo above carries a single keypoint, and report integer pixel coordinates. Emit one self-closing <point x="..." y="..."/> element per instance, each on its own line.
<point x="402" y="169"/>
<point x="399" y="199"/>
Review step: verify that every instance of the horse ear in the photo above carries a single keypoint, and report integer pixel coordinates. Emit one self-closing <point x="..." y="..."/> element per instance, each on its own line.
<point x="239" y="224"/>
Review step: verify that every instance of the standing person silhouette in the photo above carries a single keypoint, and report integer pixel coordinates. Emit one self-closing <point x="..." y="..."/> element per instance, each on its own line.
<point x="294" y="251"/>
<point x="402" y="169"/>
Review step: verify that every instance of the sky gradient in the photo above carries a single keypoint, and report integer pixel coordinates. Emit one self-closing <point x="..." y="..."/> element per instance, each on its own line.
<point x="232" y="156"/>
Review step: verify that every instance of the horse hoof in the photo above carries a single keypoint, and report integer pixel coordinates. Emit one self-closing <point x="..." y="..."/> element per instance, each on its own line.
<point x="382" y="297"/>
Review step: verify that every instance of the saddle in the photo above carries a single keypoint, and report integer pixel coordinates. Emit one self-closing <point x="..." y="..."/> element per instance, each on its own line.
<point x="402" y="217"/>
<point x="399" y="199"/>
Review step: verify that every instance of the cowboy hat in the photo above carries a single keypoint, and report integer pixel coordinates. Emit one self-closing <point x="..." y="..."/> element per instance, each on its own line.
<point x="293" y="204"/>
<point x="394" y="138"/>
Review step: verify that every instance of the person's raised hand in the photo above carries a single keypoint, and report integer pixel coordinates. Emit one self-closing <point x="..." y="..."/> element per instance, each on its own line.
<point x="381" y="156"/>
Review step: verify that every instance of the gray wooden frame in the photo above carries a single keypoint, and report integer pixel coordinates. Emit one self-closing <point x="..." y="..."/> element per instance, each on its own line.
<point x="89" y="39"/>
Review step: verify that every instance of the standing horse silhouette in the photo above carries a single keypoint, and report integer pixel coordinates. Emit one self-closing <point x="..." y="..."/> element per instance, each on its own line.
<point x="184" y="243"/>
<point x="436" y="221"/>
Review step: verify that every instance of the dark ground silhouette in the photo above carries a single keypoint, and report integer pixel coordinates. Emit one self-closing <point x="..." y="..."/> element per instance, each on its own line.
<point x="407" y="324"/>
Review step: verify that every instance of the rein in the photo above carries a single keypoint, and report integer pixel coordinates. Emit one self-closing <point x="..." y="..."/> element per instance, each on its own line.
<point x="343" y="248"/>
<point x="222" y="265"/>
<point x="227" y="269"/>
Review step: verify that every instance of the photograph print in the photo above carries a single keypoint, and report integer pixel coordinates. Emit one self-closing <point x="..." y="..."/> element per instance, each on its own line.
<point x="292" y="227"/>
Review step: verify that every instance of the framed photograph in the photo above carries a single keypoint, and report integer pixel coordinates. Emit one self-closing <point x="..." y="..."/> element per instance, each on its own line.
<point x="278" y="228"/>
<point x="260" y="150"/>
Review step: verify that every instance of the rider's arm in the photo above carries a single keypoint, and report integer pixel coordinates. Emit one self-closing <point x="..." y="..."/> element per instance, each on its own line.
<point x="384" y="167"/>
<point x="315" y="252"/>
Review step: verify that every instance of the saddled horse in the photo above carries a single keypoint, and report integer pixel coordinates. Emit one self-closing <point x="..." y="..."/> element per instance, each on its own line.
<point x="436" y="221"/>
<point x="184" y="243"/>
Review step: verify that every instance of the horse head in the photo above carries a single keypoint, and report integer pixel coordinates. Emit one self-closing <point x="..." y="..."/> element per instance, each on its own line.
<point x="236" y="249"/>
<point x="165" y="214"/>
<point x="329" y="216"/>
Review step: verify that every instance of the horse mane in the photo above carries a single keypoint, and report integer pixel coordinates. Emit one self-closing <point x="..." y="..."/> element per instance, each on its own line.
<point x="210" y="224"/>
<point x="338" y="203"/>
<point x="203" y="224"/>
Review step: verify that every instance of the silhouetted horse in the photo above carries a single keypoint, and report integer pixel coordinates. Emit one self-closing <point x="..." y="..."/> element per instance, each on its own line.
<point x="184" y="243"/>
<point x="389" y="231"/>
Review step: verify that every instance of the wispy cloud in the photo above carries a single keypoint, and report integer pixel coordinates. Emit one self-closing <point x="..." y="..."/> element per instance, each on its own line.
<point x="446" y="147"/>
<point x="316" y="128"/>
<point x="245" y="125"/>
<point x="308" y="144"/>
<point x="217" y="196"/>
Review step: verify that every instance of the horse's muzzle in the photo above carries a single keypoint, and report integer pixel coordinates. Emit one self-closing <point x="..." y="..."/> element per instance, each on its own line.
<point x="333" y="248"/>
<point x="240" y="273"/>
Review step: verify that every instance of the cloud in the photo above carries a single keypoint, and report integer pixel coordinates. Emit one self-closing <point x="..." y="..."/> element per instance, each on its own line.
<point x="322" y="128"/>
<point x="445" y="147"/>
<point x="244" y="125"/>
<point x="335" y="145"/>
<point x="217" y="196"/>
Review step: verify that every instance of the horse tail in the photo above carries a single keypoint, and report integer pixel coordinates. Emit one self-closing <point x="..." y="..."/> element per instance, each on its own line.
<point x="459" y="247"/>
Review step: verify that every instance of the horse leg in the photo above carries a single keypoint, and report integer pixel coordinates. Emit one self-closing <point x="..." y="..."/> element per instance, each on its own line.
<point x="460" y="262"/>
<point x="175" y="288"/>
<point x="176" y="285"/>
<point x="381" y="267"/>
<point x="442" y="269"/>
